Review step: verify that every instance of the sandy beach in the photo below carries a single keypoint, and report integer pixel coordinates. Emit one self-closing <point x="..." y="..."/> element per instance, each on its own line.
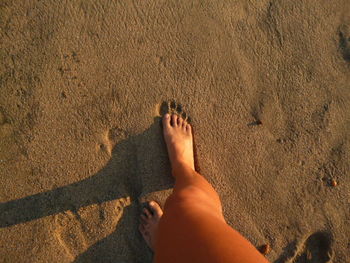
<point x="83" y="86"/>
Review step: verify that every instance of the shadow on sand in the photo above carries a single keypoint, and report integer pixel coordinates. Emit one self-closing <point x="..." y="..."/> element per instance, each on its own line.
<point x="138" y="166"/>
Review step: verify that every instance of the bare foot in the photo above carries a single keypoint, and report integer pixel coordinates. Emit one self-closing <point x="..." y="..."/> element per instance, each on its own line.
<point x="149" y="223"/>
<point x="178" y="138"/>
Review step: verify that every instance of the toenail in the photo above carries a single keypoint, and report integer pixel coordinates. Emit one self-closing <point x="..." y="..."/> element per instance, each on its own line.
<point x="167" y="116"/>
<point x="151" y="203"/>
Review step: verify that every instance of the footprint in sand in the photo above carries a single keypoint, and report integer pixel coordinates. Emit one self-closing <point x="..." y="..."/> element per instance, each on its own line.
<point x="69" y="233"/>
<point x="69" y="70"/>
<point x="110" y="138"/>
<point x="172" y="107"/>
<point x="77" y="229"/>
<point x="315" y="249"/>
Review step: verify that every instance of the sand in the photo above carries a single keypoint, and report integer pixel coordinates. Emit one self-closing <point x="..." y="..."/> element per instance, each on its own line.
<point x="267" y="87"/>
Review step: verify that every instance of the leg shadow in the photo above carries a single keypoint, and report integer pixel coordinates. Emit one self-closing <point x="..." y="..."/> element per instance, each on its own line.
<point x="139" y="165"/>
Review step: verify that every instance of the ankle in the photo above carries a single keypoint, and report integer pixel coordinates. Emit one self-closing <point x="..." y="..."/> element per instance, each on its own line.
<point x="180" y="165"/>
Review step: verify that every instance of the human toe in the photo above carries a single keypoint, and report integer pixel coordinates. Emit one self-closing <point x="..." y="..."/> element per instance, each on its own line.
<point x="174" y="120"/>
<point x="184" y="123"/>
<point x="144" y="218"/>
<point x="147" y="213"/>
<point x="188" y="128"/>
<point x="179" y="121"/>
<point x="157" y="211"/>
<point x="166" y="120"/>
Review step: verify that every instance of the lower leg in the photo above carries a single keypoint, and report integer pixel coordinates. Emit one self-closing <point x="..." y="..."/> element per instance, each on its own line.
<point x="191" y="187"/>
<point x="192" y="228"/>
<point x="179" y="141"/>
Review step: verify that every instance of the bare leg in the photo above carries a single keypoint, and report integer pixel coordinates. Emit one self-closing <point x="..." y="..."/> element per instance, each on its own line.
<point x="192" y="228"/>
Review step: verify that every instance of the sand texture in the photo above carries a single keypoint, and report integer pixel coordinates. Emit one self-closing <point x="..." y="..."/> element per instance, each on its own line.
<point x="82" y="88"/>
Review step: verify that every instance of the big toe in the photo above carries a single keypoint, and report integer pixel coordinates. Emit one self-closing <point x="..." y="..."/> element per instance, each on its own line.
<point x="166" y="120"/>
<point x="155" y="208"/>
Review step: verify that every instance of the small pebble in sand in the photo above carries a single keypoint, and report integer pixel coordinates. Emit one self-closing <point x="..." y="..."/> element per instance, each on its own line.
<point x="334" y="183"/>
<point x="265" y="249"/>
<point x="280" y="140"/>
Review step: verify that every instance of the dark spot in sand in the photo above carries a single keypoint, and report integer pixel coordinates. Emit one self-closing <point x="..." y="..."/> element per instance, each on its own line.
<point x="164" y="108"/>
<point x="172" y="104"/>
<point x="178" y="108"/>
<point x="255" y="123"/>
<point x="102" y="215"/>
<point x="344" y="41"/>
<point x="326" y="107"/>
<point x="61" y="70"/>
<point x="103" y="147"/>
